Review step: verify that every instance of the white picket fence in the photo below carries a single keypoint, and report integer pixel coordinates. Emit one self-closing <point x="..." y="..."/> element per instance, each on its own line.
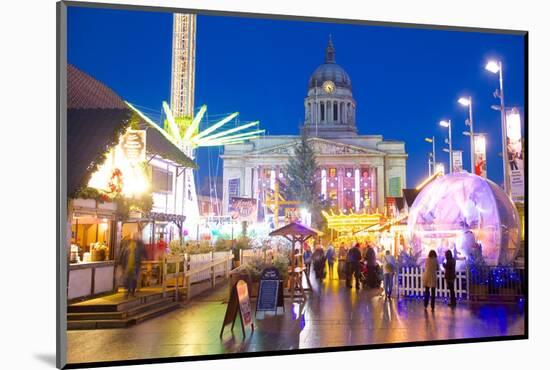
<point x="410" y="283"/>
<point x="196" y="261"/>
<point x="220" y="270"/>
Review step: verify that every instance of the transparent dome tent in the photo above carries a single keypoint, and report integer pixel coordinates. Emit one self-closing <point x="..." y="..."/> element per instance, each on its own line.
<point x="458" y="210"/>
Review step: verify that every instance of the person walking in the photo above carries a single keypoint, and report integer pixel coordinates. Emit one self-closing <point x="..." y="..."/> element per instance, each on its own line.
<point x="353" y="260"/>
<point x="307" y="258"/>
<point x="130" y="259"/>
<point x="389" y="272"/>
<point x="374" y="272"/>
<point x="319" y="261"/>
<point x="429" y="279"/>
<point x="330" y="256"/>
<point x="450" y="275"/>
<point x="342" y="254"/>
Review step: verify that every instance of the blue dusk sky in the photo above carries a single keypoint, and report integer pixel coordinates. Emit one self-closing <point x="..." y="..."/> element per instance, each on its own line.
<point x="404" y="80"/>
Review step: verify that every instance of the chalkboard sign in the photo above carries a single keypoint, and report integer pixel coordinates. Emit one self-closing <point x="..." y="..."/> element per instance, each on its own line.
<point x="270" y="293"/>
<point x="239" y="304"/>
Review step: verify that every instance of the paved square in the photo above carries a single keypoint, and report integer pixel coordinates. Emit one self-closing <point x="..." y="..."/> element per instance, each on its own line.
<point x="332" y="316"/>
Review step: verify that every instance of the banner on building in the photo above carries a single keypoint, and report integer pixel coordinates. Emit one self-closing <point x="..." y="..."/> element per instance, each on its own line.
<point x="514" y="148"/>
<point x="480" y="155"/>
<point x="243" y="209"/>
<point x="132" y="144"/>
<point x="291" y="215"/>
<point x="457" y="160"/>
<point x="440" y="167"/>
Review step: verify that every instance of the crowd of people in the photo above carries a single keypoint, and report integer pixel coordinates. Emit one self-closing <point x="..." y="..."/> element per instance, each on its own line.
<point x="359" y="265"/>
<point x="363" y="266"/>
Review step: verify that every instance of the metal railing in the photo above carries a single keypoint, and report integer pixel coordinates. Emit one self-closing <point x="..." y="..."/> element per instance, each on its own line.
<point x="492" y="282"/>
<point x="486" y="283"/>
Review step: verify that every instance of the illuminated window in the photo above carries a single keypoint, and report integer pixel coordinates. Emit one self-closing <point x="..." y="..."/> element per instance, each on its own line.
<point x="332" y="172"/>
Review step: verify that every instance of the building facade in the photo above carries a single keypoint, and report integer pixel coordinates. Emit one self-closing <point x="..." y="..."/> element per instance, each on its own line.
<point x="356" y="172"/>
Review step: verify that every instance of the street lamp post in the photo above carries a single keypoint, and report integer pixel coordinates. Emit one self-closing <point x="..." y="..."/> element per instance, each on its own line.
<point x="450" y="142"/>
<point x="432" y="141"/>
<point x="468" y="102"/>
<point x="496" y="67"/>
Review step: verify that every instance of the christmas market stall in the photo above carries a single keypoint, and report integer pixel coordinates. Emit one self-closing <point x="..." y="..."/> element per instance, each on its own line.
<point x="110" y="180"/>
<point x="351" y="223"/>
<point x="297" y="234"/>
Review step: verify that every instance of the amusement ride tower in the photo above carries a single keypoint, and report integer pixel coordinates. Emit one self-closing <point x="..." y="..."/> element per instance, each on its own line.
<point x="182" y="99"/>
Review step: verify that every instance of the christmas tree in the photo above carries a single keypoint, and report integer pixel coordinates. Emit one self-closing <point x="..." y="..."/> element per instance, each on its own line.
<point x="301" y="171"/>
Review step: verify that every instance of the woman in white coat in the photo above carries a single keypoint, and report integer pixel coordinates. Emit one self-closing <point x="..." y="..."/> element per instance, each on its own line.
<point x="429" y="279"/>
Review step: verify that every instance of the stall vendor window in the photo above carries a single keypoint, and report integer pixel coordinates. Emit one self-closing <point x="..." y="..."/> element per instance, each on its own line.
<point x="91" y="239"/>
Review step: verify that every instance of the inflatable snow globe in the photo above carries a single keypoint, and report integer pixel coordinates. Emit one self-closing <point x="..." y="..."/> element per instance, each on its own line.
<point x="461" y="211"/>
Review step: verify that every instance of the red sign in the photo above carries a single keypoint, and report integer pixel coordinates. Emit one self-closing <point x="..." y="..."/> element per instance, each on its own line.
<point x="243" y="209"/>
<point x="244" y="303"/>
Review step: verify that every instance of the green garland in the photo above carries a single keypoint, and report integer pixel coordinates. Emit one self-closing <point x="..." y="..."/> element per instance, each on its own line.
<point x="100" y="158"/>
<point x="143" y="204"/>
<point x="125" y="205"/>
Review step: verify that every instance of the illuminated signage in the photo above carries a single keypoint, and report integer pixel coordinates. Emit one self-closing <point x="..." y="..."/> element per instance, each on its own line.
<point x="514" y="149"/>
<point x="480" y="155"/>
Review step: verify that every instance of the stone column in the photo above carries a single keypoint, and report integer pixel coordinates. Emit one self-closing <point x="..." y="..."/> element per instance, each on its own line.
<point x="357" y="187"/>
<point x="318" y="113"/>
<point x="324" y="182"/>
<point x="340" y="185"/>
<point x="247" y="186"/>
<point x="343" y="114"/>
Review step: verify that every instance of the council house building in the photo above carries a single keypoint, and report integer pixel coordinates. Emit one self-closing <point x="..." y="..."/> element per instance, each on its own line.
<point x="358" y="173"/>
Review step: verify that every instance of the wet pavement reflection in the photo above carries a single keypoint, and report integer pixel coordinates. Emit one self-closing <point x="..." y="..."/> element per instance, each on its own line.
<point x="332" y="316"/>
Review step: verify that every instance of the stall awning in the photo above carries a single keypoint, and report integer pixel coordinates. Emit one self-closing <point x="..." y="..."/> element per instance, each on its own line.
<point x="296" y="229"/>
<point x="352" y="222"/>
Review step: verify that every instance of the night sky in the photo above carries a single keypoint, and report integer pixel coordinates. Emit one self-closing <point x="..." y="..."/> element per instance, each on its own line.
<point x="404" y="80"/>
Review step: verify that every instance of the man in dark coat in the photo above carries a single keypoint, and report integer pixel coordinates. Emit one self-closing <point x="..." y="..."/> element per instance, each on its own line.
<point x="318" y="258"/>
<point x="450" y="275"/>
<point x="373" y="269"/>
<point x="353" y="260"/>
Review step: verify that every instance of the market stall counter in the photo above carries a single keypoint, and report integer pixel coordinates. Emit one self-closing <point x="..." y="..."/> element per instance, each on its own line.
<point x="90" y="278"/>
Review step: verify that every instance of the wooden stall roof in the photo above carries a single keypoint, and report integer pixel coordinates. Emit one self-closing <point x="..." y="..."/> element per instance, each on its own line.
<point x="96" y="116"/>
<point x="294" y="229"/>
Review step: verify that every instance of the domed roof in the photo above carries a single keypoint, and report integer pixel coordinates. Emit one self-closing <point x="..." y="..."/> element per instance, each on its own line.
<point x="330" y="71"/>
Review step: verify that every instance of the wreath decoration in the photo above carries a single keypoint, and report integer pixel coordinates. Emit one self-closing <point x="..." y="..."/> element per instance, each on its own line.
<point x="116" y="182"/>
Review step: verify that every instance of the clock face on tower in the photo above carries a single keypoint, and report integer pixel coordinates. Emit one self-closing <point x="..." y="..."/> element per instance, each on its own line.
<point x="328" y="86"/>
